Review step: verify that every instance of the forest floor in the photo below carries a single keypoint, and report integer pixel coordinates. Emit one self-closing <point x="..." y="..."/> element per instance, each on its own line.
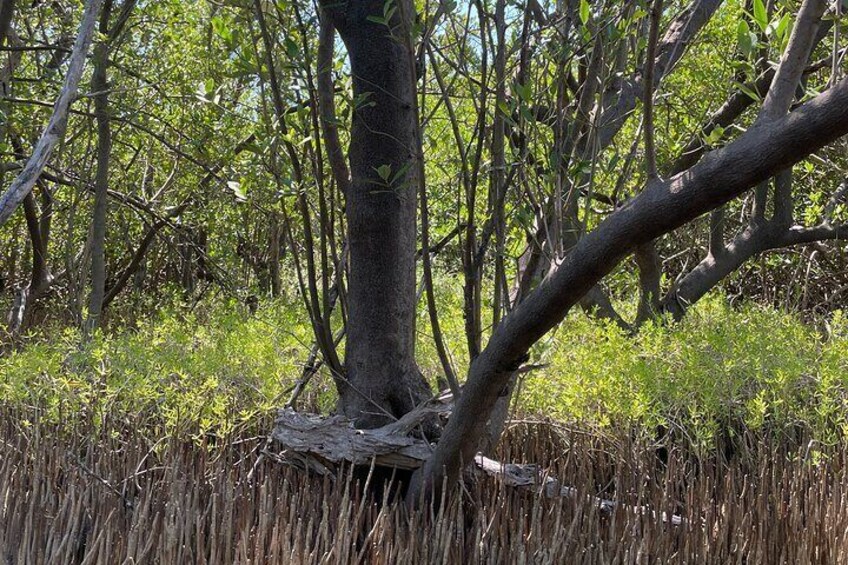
<point x="149" y="445"/>
<point x="111" y="494"/>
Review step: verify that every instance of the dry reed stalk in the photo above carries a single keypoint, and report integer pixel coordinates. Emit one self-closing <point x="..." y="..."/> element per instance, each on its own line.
<point x="108" y="494"/>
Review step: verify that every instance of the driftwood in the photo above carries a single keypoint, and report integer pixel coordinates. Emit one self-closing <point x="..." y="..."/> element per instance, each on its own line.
<point x="531" y="476"/>
<point x="324" y="442"/>
<point x="319" y="444"/>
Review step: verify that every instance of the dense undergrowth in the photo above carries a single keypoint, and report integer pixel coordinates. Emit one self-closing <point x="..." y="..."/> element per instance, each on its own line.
<point x="723" y="368"/>
<point x="148" y="444"/>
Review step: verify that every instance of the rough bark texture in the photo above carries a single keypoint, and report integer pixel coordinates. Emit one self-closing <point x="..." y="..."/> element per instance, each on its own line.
<point x="382" y="380"/>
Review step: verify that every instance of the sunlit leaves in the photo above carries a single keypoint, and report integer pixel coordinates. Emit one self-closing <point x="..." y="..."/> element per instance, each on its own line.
<point x="237" y="189"/>
<point x="746" y="39"/>
<point x="760" y="14"/>
<point x="584" y="11"/>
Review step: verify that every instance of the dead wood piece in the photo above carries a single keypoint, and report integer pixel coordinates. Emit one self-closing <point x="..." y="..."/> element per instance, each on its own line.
<point x="335" y="440"/>
<point x="318" y="443"/>
<point x="531" y="476"/>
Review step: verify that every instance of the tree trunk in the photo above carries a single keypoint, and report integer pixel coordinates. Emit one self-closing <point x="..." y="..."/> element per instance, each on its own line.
<point x="757" y="155"/>
<point x="99" y="85"/>
<point x="382" y="380"/>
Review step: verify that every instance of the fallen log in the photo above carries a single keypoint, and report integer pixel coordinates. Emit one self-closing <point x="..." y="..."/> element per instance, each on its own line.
<point x="319" y="444"/>
<point x="328" y="441"/>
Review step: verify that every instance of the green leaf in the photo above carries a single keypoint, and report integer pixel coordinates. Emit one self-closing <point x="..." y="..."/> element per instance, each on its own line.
<point x="505" y="109"/>
<point x="584" y="11"/>
<point x="754" y="96"/>
<point x="746" y="40"/>
<point x="760" y="14"/>
<point x="384" y="172"/>
<point x="715" y="135"/>
<point x="219" y="26"/>
<point x="524" y="91"/>
<point x="292" y="48"/>
<point x="400" y="174"/>
<point x="783" y="27"/>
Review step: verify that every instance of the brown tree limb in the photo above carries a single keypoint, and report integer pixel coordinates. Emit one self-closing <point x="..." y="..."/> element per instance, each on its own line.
<point x="664" y="205"/>
<point x="794" y="60"/>
<point x="648" y="94"/>
<point x="327" y="105"/>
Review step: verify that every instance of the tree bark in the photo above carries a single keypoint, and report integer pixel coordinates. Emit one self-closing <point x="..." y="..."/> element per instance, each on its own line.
<point x="55" y="130"/>
<point x="99" y="86"/>
<point x="327" y="105"/>
<point x="382" y="380"/>
<point x="765" y="149"/>
<point x="762" y="233"/>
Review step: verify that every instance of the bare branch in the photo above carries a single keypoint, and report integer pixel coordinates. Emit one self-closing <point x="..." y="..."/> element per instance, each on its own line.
<point x="327" y="106"/>
<point x="55" y="130"/>
<point x="794" y="60"/>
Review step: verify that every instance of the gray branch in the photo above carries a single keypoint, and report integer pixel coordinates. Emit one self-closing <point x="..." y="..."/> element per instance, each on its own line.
<point x="55" y="130"/>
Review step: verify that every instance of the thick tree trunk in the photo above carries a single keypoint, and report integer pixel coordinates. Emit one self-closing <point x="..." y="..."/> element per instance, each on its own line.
<point x="382" y="380"/>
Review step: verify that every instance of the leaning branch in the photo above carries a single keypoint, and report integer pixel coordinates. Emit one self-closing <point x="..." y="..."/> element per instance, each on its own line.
<point x="664" y="205"/>
<point x="55" y="130"/>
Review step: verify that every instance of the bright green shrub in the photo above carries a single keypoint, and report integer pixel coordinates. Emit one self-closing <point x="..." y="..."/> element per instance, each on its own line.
<point x="721" y="368"/>
<point x="753" y="367"/>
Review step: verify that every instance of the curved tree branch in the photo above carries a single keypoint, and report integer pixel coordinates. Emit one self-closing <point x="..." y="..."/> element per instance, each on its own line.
<point x="664" y="205"/>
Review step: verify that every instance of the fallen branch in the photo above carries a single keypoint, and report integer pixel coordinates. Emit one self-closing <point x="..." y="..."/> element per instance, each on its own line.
<point x="325" y="442"/>
<point x="319" y="444"/>
<point x="532" y="477"/>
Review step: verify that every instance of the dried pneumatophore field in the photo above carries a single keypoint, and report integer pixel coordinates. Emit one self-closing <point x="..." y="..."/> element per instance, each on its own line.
<point x="118" y="497"/>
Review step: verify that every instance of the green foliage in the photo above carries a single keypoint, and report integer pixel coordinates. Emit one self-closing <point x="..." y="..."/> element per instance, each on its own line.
<point x="720" y="369"/>
<point x="196" y="372"/>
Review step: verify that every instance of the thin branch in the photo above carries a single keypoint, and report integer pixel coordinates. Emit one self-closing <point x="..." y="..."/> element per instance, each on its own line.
<point x="794" y="60"/>
<point x="648" y="95"/>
